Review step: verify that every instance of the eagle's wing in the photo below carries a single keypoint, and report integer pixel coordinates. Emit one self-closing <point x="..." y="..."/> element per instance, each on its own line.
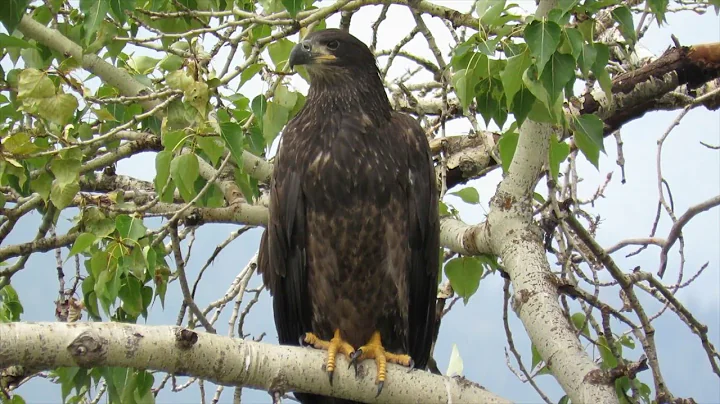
<point x="424" y="237"/>
<point x="281" y="257"/>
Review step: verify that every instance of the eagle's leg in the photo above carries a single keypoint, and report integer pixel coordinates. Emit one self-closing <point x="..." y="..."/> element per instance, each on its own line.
<point x="335" y="345"/>
<point x="374" y="350"/>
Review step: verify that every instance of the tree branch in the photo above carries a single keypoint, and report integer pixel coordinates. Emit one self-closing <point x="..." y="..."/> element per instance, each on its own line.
<point x="239" y="362"/>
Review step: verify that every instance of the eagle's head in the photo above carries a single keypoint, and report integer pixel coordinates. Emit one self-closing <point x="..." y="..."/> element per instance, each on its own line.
<point x="331" y="52"/>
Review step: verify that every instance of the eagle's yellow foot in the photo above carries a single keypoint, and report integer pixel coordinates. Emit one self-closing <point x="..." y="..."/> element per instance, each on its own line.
<point x="335" y="345"/>
<point x="374" y="350"/>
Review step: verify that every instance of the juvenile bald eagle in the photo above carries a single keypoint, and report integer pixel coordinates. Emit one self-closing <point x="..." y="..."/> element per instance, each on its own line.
<point x="350" y="254"/>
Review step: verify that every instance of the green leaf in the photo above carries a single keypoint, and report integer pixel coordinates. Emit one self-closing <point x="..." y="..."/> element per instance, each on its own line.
<point x="455" y="365"/>
<point x="557" y="74"/>
<point x="522" y="105"/>
<point x="143" y="64"/>
<point x="144" y="381"/>
<point x="575" y="42"/>
<point x="566" y="5"/>
<point x="489" y="10"/>
<point x="171" y="62"/>
<point x="131" y="296"/>
<point x="95" y="11"/>
<point x="99" y="263"/>
<point x="490" y="101"/>
<point x="588" y="131"/>
<point x="233" y="136"/>
<point x="586" y="59"/>
<point x="511" y="76"/>
<point x="82" y="243"/>
<point x="65" y="171"/>
<point x="173" y="140"/>
<point x="19" y="143"/>
<point x="659" y="8"/>
<point x="12" y="12"/>
<point x="118" y="8"/>
<point x="716" y="4"/>
<point x="130" y="227"/>
<point x="42" y="184"/>
<point x="284" y="97"/>
<point x="249" y="73"/>
<point x="627" y="341"/>
<point x="535" y="86"/>
<point x="609" y="360"/>
<point x="248" y="186"/>
<point x="536" y="358"/>
<point x="624" y="17"/>
<point x="198" y="95"/>
<point x="162" y="169"/>
<point x="464" y="82"/>
<point x="558" y="153"/>
<point x="58" y="109"/>
<point x="184" y="170"/>
<point x="564" y="400"/>
<point x="293" y="6"/>
<point x="468" y="195"/>
<point x="273" y="121"/>
<point x="179" y="80"/>
<point x="280" y="51"/>
<point x="507" y="144"/>
<point x="212" y="146"/>
<point x="10" y="306"/>
<point x="96" y="222"/>
<point x="33" y="59"/>
<point x="33" y="83"/>
<point x="464" y="274"/>
<point x="62" y="195"/>
<point x="543" y="39"/>
<point x="602" y="55"/>
<point x="259" y="107"/>
<point x="7" y="41"/>
<point x="578" y="320"/>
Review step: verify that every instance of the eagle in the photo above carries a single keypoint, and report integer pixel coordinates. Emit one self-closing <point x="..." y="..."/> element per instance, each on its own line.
<point x="350" y="254"/>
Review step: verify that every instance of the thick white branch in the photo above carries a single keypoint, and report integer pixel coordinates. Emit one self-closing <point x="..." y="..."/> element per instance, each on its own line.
<point x="463" y="238"/>
<point x="222" y="360"/>
<point x="518" y="241"/>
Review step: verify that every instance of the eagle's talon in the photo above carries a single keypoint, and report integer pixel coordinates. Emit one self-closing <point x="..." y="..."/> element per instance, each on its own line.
<point x="354" y="357"/>
<point x="379" y="389"/>
<point x="354" y="361"/>
<point x="411" y="365"/>
<point x="334" y="346"/>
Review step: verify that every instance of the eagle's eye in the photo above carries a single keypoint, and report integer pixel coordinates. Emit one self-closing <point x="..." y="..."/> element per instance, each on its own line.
<point x="332" y="45"/>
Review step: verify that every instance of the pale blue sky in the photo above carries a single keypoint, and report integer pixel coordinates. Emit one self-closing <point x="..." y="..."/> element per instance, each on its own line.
<point x="692" y="170"/>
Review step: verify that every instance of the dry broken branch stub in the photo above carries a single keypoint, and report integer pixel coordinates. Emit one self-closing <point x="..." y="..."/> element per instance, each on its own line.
<point x="639" y="91"/>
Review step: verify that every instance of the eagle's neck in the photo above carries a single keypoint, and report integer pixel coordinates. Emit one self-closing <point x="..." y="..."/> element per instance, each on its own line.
<point x="357" y="91"/>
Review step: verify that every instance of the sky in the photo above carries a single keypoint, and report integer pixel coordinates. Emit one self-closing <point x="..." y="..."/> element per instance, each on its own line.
<point x="692" y="171"/>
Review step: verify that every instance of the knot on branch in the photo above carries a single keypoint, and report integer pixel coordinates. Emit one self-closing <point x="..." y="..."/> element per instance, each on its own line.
<point x="520" y="297"/>
<point x="88" y="349"/>
<point x="468" y="240"/>
<point x="609" y="376"/>
<point x="185" y="339"/>
<point x="279" y="386"/>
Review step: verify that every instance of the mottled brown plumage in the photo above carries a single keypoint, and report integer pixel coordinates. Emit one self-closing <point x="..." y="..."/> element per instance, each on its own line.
<point x="353" y="236"/>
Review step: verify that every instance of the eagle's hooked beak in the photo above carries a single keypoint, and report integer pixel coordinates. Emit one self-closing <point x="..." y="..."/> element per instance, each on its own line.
<point x="307" y="53"/>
